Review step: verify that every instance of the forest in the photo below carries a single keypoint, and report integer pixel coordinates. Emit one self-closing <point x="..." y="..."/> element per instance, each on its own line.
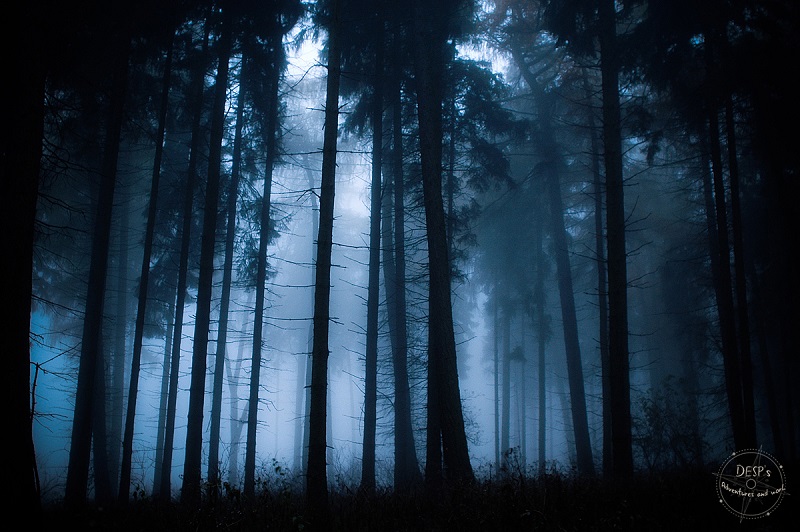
<point x="373" y="265"/>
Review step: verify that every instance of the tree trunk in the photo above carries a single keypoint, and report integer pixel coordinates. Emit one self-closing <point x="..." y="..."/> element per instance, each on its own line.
<point x="745" y="357"/>
<point x="373" y="289"/>
<point x="723" y="290"/>
<point x="163" y="395"/>
<point x="619" y="378"/>
<point x="91" y="357"/>
<point x="602" y="290"/>
<point x="238" y="418"/>
<point x="580" y="423"/>
<point x="406" y="466"/>
<point x="551" y="159"/>
<point x="20" y="164"/>
<point x="316" y="479"/>
<point x="447" y="439"/>
<point x="310" y="342"/>
<point x="496" y="373"/>
<point x="270" y="145"/>
<point x="198" y="83"/>
<point x="144" y="282"/>
<point x="117" y="366"/>
<point x="227" y="278"/>
<point x="190" y="491"/>
<point x="505" y="420"/>
<point x="102" y="475"/>
<point x="541" y="337"/>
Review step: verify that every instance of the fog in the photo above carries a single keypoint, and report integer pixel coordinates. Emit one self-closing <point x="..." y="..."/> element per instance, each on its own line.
<point x="614" y="254"/>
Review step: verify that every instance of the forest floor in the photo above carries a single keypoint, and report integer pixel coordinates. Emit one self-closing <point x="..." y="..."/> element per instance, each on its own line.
<point x="683" y="502"/>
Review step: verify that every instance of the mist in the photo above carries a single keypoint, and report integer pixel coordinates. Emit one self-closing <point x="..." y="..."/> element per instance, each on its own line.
<point x="433" y="250"/>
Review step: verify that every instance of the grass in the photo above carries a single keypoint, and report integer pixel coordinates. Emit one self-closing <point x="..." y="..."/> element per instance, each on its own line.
<point x="674" y="501"/>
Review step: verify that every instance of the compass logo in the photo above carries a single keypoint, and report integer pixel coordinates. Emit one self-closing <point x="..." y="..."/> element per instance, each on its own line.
<point x="751" y="484"/>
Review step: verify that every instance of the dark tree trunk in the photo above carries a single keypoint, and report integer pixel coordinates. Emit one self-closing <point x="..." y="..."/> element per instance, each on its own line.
<point x="198" y="83"/>
<point x="20" y="160"/>
<point x="723" y="289"/>
<point x="496" y="373"/>
<point x="190" y="491"/>
<point x="602" y="291"/>
<point x="619" y="364"/>
<point x="373" y="289"/>
<point x="163" y="395"/>
<point x="740" y="287"/>
<point x="238" y="418"/>
<point x="580" y="423"/>
<point x="116" y="393"/>
<point x="91" y="358"/>
<point x="310" y="342"/>
<point x="102" y="475"/>
<point x="227" y="279"/>
<point x="144" y="282"/>
<point x="316" y="474"/>
<point x="447" y="438"/>
<point x="406" y="466"/>
<point x="541" y="337"/>
<point x="270" y="145"/>
<point x="505" y="420"/>
<point x="551" y="159"/>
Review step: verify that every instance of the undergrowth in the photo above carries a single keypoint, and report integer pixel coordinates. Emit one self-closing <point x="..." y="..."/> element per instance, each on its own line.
<point x="674" y="501"/>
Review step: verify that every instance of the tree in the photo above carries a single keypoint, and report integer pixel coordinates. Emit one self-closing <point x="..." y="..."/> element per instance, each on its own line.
<point x="190" y="492"/>
<point x="447" y="439"/>
<point x="197" y="89"/>
<point x="371" y="352"/>
<point x="316" y="474"/>
<point x="274" y="74"/>
<point x="21" y="149"/>
<point x="91" y="354"/>
<point x="130" y="417"/>
<point x="406" y="467"/>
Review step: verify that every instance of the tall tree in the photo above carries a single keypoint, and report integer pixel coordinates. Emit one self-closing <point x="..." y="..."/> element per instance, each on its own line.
<point x="20" y="162"/>
<point x="406" y="467"/>
<point x="190" y="491"/>
<point x="274" y="68"/>
<point x="91" y="354"/>
<point x="144" y="277"/>
<point x="316" y="474"/>
<point x="196" y="98"/>
<point x="447" y="440"/>
<point x="371" y="351"/>
<point x="619" y="364"/>
<point x="225" y="297"/>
